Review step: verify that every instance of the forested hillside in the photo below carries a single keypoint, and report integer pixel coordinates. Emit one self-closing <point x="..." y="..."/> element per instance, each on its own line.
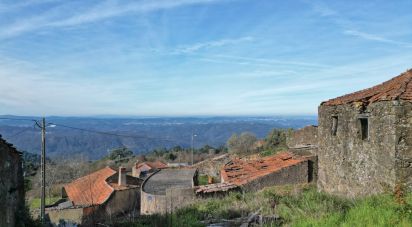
<point x="138" y="134"/>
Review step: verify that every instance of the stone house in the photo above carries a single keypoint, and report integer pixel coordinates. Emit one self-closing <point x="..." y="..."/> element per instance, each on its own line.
<point x="11" y="185"/>
<point x="365" y="139"/>
<point x="142" y="169"/>
<point x="101" y="195"/>
<point x="252" y="175"/>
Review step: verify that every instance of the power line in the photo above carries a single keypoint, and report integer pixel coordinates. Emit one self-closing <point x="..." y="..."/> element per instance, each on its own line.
<point x="18" y="133"/>
<point x="114" y="134"/>
<point x="88" y="130"/>
<point x="17" y="119"/>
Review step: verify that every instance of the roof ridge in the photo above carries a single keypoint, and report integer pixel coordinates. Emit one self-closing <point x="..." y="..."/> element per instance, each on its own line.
<point x="392" y="89"/>
<point x="406" y="84"/>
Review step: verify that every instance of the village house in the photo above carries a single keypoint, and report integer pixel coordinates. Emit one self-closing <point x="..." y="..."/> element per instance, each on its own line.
<point x="142" y="169"/>
<point x="365" y="139"/>
<point x="104" y="194"/>
<point x="11" y="185"/>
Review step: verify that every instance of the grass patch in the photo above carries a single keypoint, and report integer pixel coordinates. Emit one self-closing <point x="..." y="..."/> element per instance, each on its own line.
<point x="381" y="210"/>
<point x="296" y="205"/>
<point x="35" y="203"/>
<point x="202" y="179"/>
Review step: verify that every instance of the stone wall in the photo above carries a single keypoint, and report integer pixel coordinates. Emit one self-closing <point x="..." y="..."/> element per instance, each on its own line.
<point x="123" y="202"/>
<point x="212" y="167"/>
<point x="296" y="174"/>
<point x="11" y="185"/>
<point x="352" y="166"/>
<point x="304" y="136"/>
<point x="68" y="216"/>
<point x="404" y="143"/>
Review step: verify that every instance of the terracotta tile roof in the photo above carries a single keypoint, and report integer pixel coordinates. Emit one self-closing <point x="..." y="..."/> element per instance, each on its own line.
<point x="153" y="165"/>
<point x="399" y="87"/>
<point x="91" y="189"/>
<point x="240" y="171"/>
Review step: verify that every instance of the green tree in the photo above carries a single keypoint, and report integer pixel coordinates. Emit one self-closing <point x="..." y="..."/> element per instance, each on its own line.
<point x="120" y="153"/>
<point x="276" y="140"/>
<point x="170" y="156"/>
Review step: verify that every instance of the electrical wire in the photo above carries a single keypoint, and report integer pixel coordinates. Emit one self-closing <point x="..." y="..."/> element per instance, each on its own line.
<point x="17" y="119"/>
<point x="114" y="134"/>
<point x="18" y="133"/>
<point x="87" y="130"/>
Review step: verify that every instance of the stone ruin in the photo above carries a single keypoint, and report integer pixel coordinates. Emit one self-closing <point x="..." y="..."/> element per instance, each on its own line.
<point x="363" y="142"/>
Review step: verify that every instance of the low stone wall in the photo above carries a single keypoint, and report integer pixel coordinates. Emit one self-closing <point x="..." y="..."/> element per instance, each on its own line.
<point x="303" y="136"/>
<point x="296" y="174"/>
<point x="69" y="216"/>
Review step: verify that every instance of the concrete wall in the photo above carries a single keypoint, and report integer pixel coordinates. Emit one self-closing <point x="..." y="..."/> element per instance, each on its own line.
<point x="151" y="204"/>
<point x="349" y="165"/>
<point x="296" y="174"/>
<point x="179" y="197"/>
<point x="174" y="199"/>
<point x="11" y="186"/>
<point x="404" y="143"/>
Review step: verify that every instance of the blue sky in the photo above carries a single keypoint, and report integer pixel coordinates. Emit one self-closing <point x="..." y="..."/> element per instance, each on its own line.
<point x="195" y="57"/>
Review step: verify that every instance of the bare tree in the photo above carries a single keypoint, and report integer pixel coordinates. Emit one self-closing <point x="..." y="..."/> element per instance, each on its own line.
<point x="242" y="144"/>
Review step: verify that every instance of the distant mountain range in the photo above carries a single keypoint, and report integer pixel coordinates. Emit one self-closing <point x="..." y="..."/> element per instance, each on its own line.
<point x="140" y="134"/>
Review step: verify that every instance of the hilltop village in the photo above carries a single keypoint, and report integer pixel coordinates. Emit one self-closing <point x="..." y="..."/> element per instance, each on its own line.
<point x="362" y="146"/>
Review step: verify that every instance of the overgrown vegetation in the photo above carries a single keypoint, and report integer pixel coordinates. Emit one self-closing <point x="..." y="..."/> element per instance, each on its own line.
<point x="181" y="154"/>
<point x="296" y="206"/>
<point x="247" y="143"/>
<point x="242" y="144"/>
<point x="275" y="141"/>
<point x="35" y="203"/>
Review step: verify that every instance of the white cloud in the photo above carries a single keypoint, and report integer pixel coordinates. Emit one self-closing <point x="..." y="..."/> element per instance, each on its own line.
<point x="375" y="37"/>
<point x="104" y="10"/>
<point x="206" y="45"/>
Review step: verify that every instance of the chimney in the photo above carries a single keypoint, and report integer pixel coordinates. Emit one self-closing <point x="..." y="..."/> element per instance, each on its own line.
<point x="122" y="176"/>
<point x="134" y="169"/>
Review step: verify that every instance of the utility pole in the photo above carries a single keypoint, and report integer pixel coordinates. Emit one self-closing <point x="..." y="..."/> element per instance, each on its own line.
<point x="43" y="171"/>
<point x="193" y="135"/>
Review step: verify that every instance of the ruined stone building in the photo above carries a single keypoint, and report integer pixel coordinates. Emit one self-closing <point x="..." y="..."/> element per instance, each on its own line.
<point x="11" y="185"/>
<point x="100" y="195"/>
<point x="252" y="175"/>
<point x="365" y="139"/>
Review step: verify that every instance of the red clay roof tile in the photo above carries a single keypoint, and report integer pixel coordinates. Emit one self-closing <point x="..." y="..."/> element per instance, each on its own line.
<point x="91" y="189"/>
<point x="399" y="87"/>
<point x="240" y="172"/>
